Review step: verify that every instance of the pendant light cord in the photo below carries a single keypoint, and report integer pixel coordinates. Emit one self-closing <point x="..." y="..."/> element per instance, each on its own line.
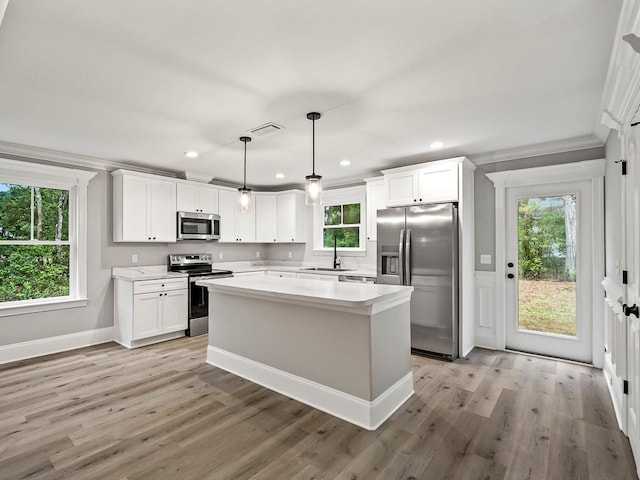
<point x="244" y="182"/>
<point x="313" y="146"/>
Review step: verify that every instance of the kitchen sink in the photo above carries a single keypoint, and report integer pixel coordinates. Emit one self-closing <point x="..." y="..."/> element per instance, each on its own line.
<point x="327" y="269"/>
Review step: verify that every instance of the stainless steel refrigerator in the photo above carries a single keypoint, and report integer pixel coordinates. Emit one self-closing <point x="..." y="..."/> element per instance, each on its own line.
<point x="418" y="246"/>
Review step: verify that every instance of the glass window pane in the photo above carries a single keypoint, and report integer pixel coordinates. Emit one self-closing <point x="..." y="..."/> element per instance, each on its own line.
<point x="51" y="214"/>
<point x="33" y="271"/>
<point x="333" y="215"/>
<point x="347" y="237"/>
<point x="351" y="213"/>
<point x="15" y="212"/>
<point x="547" y="264"/>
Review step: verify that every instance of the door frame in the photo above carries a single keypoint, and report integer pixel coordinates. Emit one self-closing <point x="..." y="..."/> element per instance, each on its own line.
<point x="591" y="170"/>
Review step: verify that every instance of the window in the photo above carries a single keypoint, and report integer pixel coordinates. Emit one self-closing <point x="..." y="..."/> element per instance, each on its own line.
<point x="42" y="237"/>
<point x="341" y="226"/>
<point x="341" y="219"/>
<point x="34" y="242"/>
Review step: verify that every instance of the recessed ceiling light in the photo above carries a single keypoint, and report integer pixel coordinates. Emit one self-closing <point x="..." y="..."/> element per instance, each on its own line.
<point x="435" y="145"/>
<point x="191" y="154"/>
<point x="279" y="175"/>
<point x="345" y="163"/>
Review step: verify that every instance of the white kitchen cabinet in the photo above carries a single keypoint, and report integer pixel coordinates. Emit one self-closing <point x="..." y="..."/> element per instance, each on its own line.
<point x="375" y="202"/>
<point x="193" y="197"/>
<point x="235" y="226"/>
<point x="433" y="182"/>
<point x="266" y="217"/>
<point x="291" y="217"/>
<point x="144" y="208"/>
<point x="150" y="311"/>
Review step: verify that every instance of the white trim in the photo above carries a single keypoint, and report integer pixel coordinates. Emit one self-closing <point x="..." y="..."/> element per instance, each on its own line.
<point x="151" y="340"/>
<point x="548" y="148"/>
<point x="3" y="9"/>
<point x="65" y="158"/>
<point x="588" y="170"/>
<point x="37" y="305"/>
<point x="366" y="414"/>
<point x="61" y="343"/>
<point x="485" y="327"/>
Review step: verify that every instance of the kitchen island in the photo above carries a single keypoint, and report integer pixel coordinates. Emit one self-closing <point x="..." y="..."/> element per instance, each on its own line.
<point x="343" y="348"/>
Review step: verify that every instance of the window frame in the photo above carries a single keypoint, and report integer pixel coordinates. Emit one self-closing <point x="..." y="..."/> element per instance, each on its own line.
<point x="342" y="196"/>
<point x="76" y="182"/>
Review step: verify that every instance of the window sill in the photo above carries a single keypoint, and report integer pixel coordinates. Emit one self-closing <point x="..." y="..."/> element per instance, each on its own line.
<point x="342" y="253"/>
<point x="41" y="305"/>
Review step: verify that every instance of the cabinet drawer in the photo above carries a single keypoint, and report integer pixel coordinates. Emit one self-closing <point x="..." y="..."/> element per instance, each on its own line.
<point x="146" y="286"/>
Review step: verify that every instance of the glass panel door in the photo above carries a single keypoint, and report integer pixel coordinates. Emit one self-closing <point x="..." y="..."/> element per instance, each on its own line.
<point x="547" y="268"/>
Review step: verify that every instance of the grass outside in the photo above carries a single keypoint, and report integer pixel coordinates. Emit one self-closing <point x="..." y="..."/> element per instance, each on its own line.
<point x="547" y="306"/>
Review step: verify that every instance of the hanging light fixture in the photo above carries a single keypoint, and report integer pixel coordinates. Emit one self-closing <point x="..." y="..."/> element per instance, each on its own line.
<point x="314" y="182"/>
<point x="245" y="193"/>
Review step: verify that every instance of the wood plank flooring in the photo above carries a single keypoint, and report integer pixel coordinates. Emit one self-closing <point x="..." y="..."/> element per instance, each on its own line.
<point x="161" y="412"/>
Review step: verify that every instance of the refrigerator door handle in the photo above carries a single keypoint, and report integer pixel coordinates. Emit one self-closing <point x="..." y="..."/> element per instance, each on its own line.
<point x="401" y="256"/>
<point x="407" y="257"/>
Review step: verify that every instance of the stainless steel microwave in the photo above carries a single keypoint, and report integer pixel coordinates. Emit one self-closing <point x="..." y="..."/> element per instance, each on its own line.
<point x="198" y="226"/>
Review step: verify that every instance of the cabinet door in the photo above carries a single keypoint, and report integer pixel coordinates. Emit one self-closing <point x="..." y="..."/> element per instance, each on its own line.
<point x="246" y="223"/>
<point x="265" y="207"/>
<point x="227" y="206"/>
<point x="438" y="185"/>
<point x="291" y="217"/>
<point x="163" y="211"/>
<point x="400" y="188"/>
<point x="146" y="315"/>
<point x="207" y="199"/>
<point x="135" y="209"/>
<point x="186" y="197"/>
<point x="174" y="311"/>
<point x="375" y="201"/>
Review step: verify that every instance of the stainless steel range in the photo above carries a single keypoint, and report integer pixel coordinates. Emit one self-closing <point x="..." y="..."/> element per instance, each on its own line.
<point x="198" y="266"/>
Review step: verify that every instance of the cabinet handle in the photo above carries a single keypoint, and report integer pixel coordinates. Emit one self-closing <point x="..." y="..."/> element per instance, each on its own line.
<point x="420" y="199"/>
<point x="149" y="238"/>
<point x="154" y="238"/>
<point x="292" y="239"/>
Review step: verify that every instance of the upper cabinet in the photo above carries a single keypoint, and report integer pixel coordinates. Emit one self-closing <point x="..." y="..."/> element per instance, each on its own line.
<point x="193" y="197"/>
<point x="291" y="216"/>
<point x="144" y="208"/>
<point x="433" y="182"/>
<point x="266" y="217"/>
<point x="375" y="201"/>
<point x="235" y="226"/>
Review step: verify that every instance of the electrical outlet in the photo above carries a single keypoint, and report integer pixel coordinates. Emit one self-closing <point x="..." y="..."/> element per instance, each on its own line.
<point x="485" y="259"/>
<point x="134" y="258"/>
<point x="257" y="254"/>
<point x="289" y="255"/>
<point x="220" y="256"/>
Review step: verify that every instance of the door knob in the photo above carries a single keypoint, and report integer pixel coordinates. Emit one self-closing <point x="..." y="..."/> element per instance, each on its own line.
<point x="631" y="310"/>
<point x="510" y="275"/>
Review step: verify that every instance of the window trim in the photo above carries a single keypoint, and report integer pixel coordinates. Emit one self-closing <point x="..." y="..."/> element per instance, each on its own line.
<point x="342" y="196"/>
<point x="76" y="181"/>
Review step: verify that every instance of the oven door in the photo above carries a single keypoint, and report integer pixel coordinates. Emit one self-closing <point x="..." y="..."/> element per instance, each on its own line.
<point x="198" y="299"/>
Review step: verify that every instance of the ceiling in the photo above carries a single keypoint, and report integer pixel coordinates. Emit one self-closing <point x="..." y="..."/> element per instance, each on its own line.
<point x="144" y="81"/>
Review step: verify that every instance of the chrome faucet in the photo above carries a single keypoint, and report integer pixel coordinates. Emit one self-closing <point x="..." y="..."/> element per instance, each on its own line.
<point x="336" y="260"/>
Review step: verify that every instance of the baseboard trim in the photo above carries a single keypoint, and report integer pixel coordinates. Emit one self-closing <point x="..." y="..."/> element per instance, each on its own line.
<point x="366" y="414"/>
<point x="61" y="343"/>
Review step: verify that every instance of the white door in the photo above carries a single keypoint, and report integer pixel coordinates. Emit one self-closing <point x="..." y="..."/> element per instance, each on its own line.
<point x="163" y="211"/>
<point x="632" y="294"/>
<point x="174" y="310"/>
<point x="146" y="315"/>
<point x="548" y="255"/>
<point x="265" y="207"/>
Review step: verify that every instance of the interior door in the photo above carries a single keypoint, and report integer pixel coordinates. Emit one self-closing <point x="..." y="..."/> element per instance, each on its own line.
<point x="632" y="294"/>
<point x="548" y="307"/>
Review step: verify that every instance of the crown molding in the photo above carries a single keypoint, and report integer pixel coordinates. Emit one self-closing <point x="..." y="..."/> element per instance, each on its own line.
<point x="64" y="158"/>
<point x="548" y="148"/>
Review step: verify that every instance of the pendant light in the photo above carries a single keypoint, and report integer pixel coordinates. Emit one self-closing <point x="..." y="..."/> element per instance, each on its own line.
<point x="314" y="182"/>
<point x="245" y="193"/>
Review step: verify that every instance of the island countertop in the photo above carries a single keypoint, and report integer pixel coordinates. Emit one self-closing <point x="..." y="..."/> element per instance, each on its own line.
<point x="329" y="294"/>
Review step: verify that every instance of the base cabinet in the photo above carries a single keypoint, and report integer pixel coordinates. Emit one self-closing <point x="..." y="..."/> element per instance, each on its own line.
<point x="150" y="311"/>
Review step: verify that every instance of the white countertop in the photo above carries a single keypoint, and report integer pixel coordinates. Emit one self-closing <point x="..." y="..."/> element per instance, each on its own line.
<point x="354" y="295"/>
<point x="150" y="272"/>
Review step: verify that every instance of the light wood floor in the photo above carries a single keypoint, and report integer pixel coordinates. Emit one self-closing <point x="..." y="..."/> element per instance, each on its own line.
<point x="160" y="412"/>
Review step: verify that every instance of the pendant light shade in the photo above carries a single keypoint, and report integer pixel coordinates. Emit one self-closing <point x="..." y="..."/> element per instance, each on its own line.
<point x="314" y="182"/>
<point x="245" y="193"/>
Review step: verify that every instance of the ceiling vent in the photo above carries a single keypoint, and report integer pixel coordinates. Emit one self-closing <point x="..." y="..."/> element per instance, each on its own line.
<point x="266" y="129"/>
